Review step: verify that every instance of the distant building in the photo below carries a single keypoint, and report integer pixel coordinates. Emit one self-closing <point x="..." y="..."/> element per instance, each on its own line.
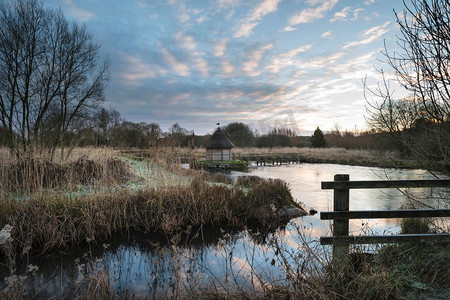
<point x="219" y="147"/>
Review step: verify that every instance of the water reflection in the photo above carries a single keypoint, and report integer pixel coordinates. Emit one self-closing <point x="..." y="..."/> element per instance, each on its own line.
<point x="153" y="268"/>
<point x="305" y="182"/>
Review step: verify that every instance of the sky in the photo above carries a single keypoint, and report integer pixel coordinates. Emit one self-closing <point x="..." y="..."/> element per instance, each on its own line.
<point x="296" y="64"/>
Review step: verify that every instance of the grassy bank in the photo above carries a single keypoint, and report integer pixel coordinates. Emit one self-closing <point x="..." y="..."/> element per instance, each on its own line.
<point x="235" y="165"/>
<point x="356" y="157"/>
<point x="91" y="203"/>
<point x="98" y="199"/>
<point x="57" y="222"/>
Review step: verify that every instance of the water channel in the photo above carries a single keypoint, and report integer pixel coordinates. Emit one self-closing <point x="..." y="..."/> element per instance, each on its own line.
<point x="149" y="266"/>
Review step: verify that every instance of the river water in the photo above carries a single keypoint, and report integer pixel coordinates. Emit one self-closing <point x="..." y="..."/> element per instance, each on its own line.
<point x="149" y="265"/>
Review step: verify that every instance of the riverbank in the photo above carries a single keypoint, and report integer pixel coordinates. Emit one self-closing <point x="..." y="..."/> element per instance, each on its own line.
<point x="60" y="210"/>
<point x="160" y="190"/>
<point x="354" y="157"/>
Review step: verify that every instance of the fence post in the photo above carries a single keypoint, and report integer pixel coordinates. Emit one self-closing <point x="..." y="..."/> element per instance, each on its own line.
<point x="340" y="227"/>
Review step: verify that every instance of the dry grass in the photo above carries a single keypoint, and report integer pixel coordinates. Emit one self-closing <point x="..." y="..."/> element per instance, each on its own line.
<point x="332" y="155"/>
<point x="31" y="175"/>
<point x="53" y="221"/>
<point x="172" y="200"/>
<point x="361" y="157"/>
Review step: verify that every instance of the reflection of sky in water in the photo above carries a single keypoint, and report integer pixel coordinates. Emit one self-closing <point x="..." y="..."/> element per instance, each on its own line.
<point x="159" y="271"/>
<point x="305" y="183"/>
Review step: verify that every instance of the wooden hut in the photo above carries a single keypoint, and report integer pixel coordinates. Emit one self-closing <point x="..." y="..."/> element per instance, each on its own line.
<point x="219" y="147"/>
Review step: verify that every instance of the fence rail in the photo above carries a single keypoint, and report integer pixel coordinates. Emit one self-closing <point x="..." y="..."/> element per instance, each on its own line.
<point x="374" y="184"/>
<point x="341" y="214"/>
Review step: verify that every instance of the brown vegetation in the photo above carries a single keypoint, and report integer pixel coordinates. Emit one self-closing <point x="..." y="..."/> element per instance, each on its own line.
<point x="357" y="157"/>
<point x="390" y="159"/>
<point x="29" y="175"/>
<point x="57" y="214"/>
<point x="55" y="222"/>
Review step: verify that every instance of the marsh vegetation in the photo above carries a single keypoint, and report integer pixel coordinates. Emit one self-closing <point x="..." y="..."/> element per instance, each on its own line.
<point x="127" y="222"/>
<point x="172" y="209"/>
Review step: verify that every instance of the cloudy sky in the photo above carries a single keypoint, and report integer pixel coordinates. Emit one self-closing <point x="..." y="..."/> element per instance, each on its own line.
<point x="268" y="63"/>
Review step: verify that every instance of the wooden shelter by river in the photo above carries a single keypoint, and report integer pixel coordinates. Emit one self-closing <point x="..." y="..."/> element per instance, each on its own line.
<point x="219" y="147"/>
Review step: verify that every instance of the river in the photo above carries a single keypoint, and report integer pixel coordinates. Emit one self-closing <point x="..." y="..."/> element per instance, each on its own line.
<point x="148" y="266"/>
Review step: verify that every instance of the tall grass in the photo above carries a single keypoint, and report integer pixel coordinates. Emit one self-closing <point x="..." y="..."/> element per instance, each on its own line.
<point x="33" y="174"/>
<point x="173" y="201"/>
<point x="54" y="221"/>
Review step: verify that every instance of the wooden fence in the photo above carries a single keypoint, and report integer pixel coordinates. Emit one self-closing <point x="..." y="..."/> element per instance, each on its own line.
<point x="341" y="214"/>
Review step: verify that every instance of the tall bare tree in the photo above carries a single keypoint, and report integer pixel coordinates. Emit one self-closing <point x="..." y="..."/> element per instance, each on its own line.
<point x="50" y="74"/>
<point x="421" y="121"/>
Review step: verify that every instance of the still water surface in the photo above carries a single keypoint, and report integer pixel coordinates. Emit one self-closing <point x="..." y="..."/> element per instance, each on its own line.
<point x="150" y="267"/>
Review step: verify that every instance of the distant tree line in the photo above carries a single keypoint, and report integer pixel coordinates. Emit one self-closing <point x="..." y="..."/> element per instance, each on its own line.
<point x="106" y="127"/>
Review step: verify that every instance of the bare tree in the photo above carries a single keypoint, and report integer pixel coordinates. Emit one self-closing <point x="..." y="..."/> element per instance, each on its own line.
<point x="421" y="121"/>
<point x="105" y="122"/>
<point x="49" y="69"/>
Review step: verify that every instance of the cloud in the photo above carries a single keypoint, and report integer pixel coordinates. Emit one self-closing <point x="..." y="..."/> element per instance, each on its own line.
<point x="356" y="13"/>
<point x="326" y="34"/>
<point x="142" y="4"/>
<point x="201" y="65"/>
<point x="188" y="43"/>
<point x="296" y="51"/>
<point x="136" y="70"/>
<point x="370" y="35"/>
<point x="201" y="19"/>
<point x="245" y="29"/>
<point x="252" y="64"/>
<point x="220" y="47"/>
<point x="287" y="59"/>
<point x="303" y="66"/>
<point x="341" y="15"/>
<point x="78" y="12"/>
<point x="178" y="67"/>
<point x="227" y="3"/>
<point x="356" y="67"/>
<point x="252" y="20"/>
<point x="289" y="28"/>
<point x="309" y="15"/>
<point x="227" y="68"/>
<point x="181" y="11"/>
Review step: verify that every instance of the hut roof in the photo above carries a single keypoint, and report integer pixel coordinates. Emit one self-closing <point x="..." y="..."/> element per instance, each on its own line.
<point x="219" y="141"/>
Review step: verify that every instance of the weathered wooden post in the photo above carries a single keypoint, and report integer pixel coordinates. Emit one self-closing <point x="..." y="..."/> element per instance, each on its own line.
<point x="340" y="226"/>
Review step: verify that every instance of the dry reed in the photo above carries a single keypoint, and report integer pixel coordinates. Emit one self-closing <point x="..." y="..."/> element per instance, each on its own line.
<point x="54" y="222"/>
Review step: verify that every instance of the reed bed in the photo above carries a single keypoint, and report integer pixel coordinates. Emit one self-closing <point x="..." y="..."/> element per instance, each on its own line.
<point x="58" y="221"/>
<point x="160" y="196"/>
<point x="33" y="174"/>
